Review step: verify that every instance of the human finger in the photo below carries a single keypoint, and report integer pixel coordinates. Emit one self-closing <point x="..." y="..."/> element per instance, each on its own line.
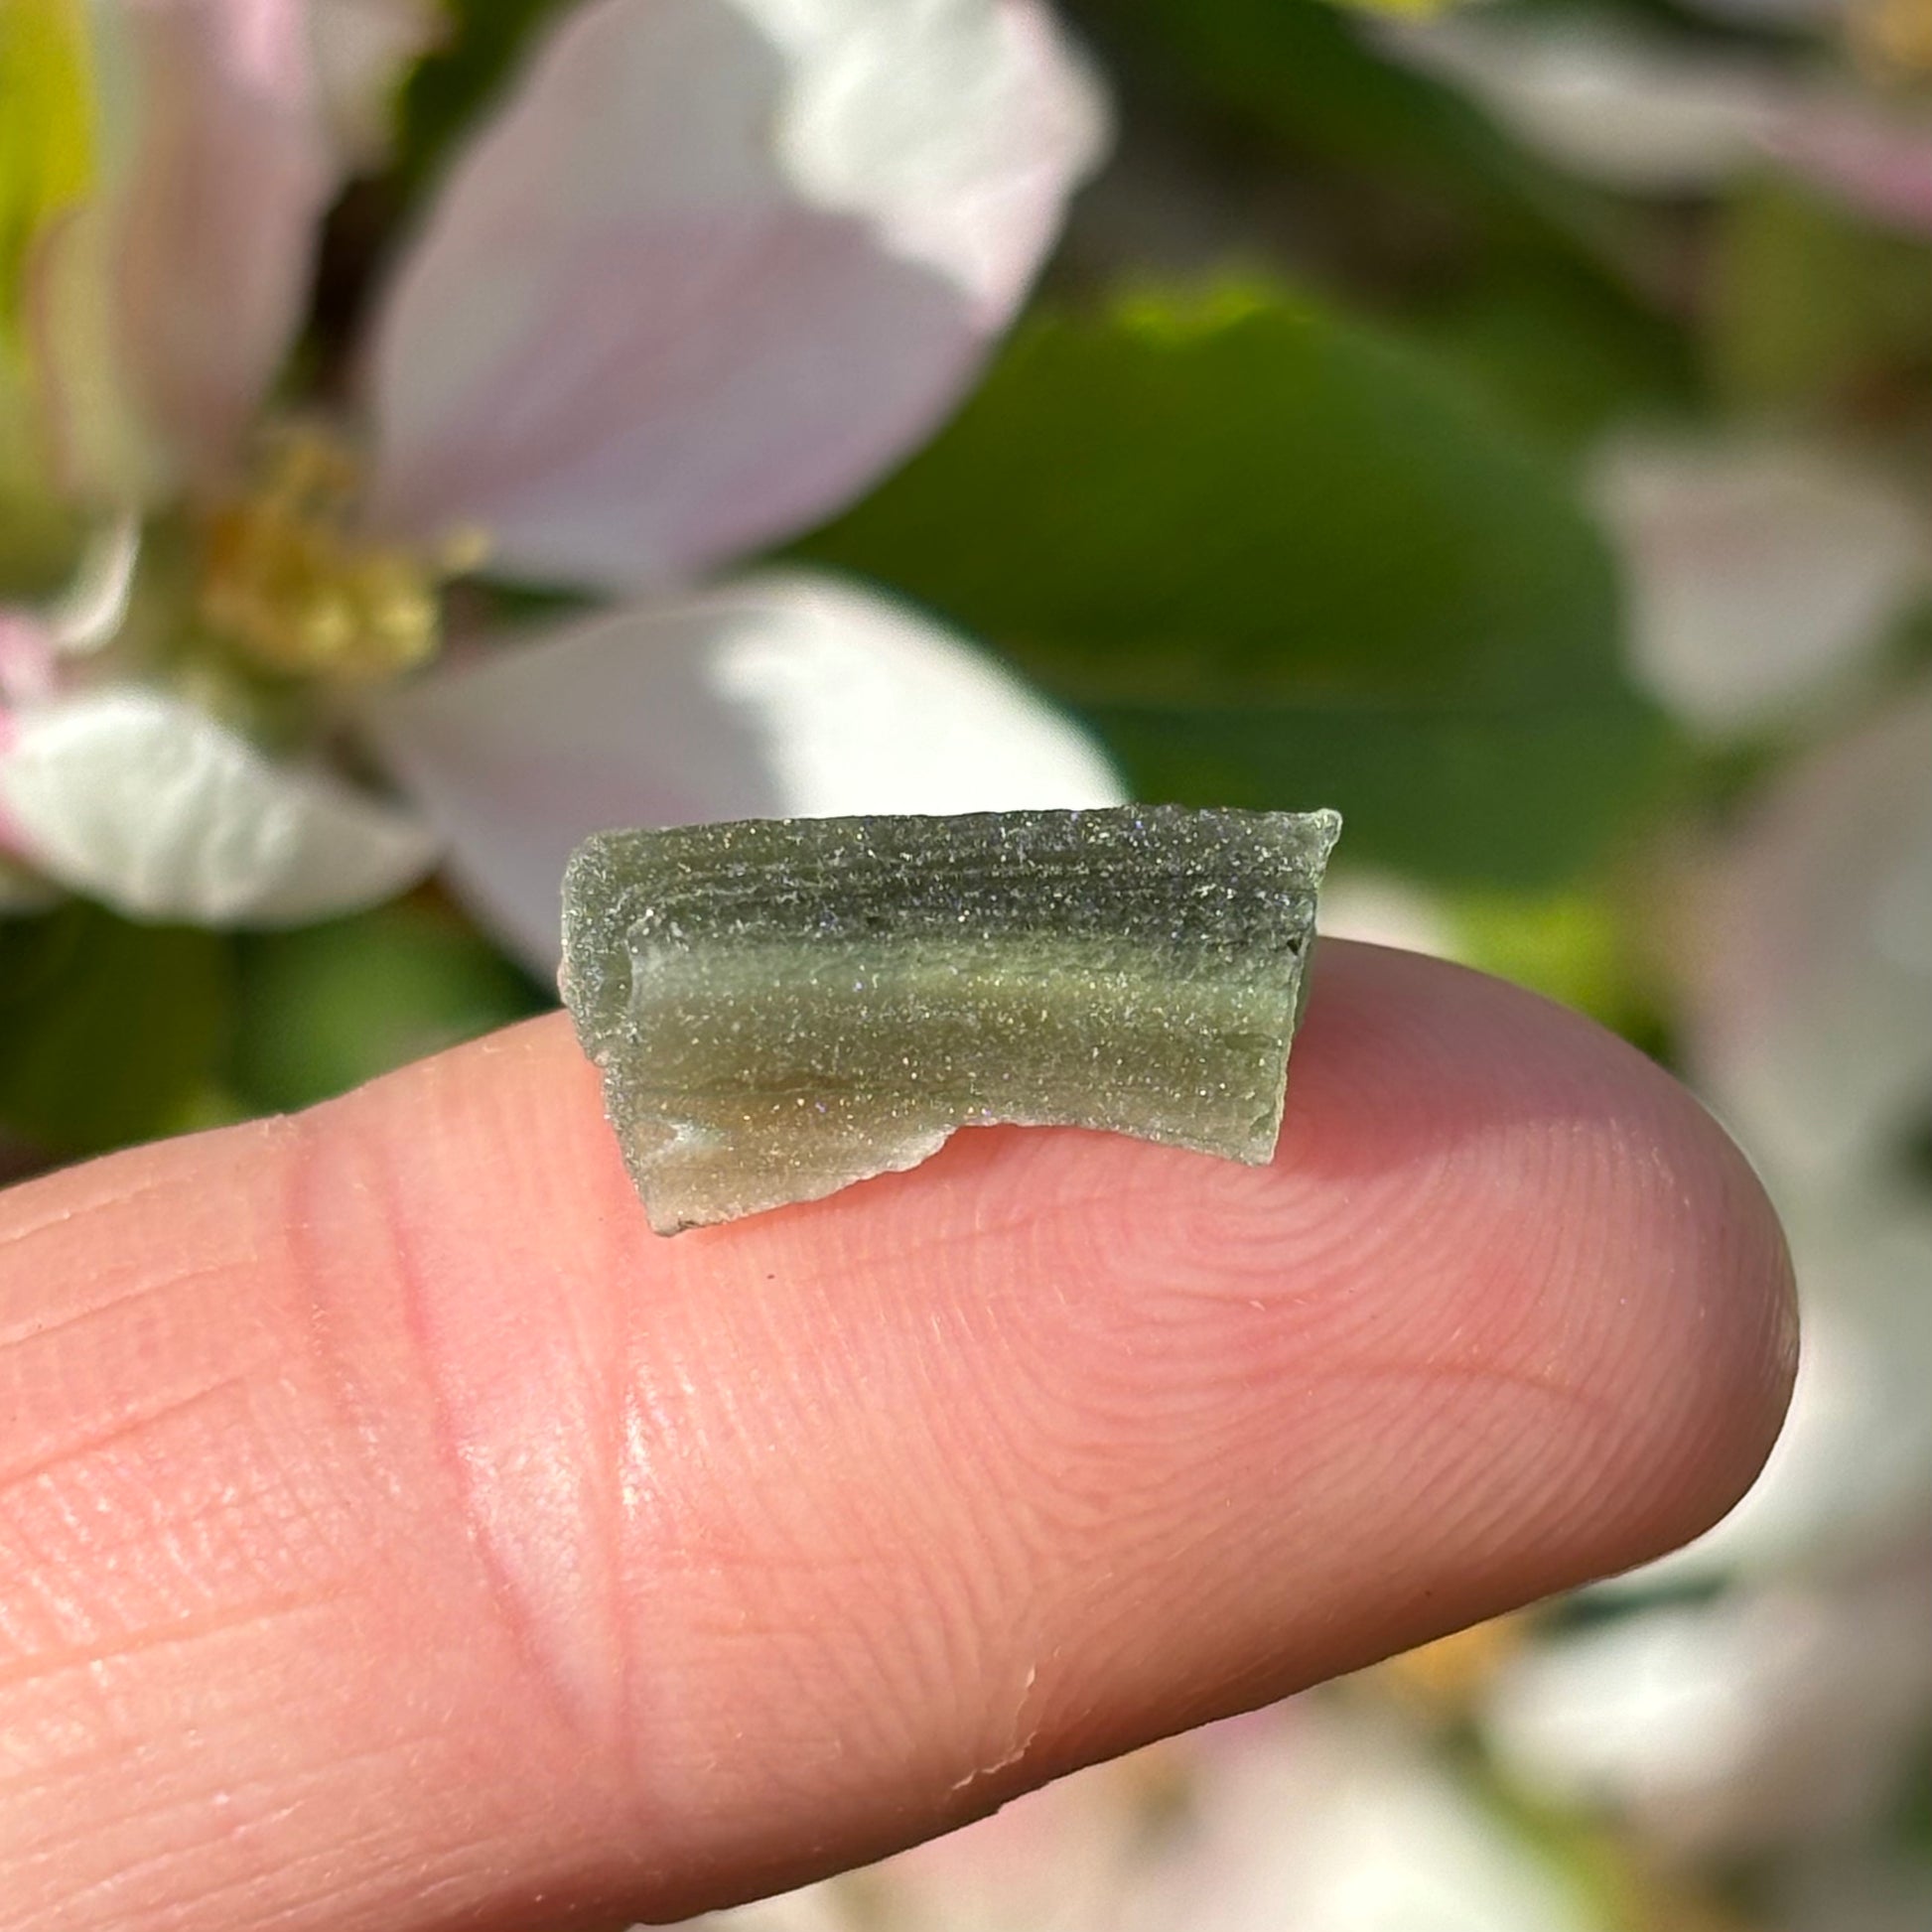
<point x="395" y="1534"/>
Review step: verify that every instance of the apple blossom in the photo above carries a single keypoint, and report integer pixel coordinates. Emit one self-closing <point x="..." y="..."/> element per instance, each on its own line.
<point x="1764" y="572"/>
<point x="714" y="266"/>
<point x="1812" y="1028"/>
<point x="1652" y="112"/>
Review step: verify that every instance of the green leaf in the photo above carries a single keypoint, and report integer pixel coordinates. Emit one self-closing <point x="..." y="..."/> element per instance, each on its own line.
<point x="1516" y="795"/>
<point x="1560" y="353"/>
<point x="326" y="1006"/>
<point x="1281" y="561"/>
<point x="110" y="1033"/>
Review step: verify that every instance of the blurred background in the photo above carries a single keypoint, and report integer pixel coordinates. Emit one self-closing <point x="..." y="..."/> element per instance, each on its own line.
<point x="1509" y="423"/>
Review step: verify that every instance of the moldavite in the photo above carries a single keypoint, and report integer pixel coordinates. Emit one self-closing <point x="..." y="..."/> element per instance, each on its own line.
<point x="780" y="1006"/>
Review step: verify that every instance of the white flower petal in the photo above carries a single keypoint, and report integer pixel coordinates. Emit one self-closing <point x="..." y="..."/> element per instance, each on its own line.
<point x="1332" y="1818"/>
<point x="89" y="613"/>
<point x="1635" y="111"/>
<point x="1734" y="1725"/>
<point x="955" y="126"/>
<point x="788" y="695"/>
<point x="1761" y="571"/>
<point x="141" y="800"/>
<point x="1381" y="910"/>
<point x="717" y="264"/>
<point x="1813" y="1028"/>
<point x="163" y="308"/>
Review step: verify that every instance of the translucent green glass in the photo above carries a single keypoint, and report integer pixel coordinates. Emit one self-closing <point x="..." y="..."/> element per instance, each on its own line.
<point x="783" y="1007"/>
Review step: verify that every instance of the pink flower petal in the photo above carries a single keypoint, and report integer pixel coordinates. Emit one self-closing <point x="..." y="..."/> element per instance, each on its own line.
<point x="782" y="696"/>
<point x="1813" y="1030"/>
<point x="143" y="802"/>
<point x="718" y="264"/>
<point x="1763" y="572"/>
<point x="28" y="652"/>
<point x="164" y="306"/>
<point x="1878" y="161"/>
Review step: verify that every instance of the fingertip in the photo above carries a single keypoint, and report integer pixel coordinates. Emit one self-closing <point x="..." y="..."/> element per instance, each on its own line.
<point x="1615" y="1241"/>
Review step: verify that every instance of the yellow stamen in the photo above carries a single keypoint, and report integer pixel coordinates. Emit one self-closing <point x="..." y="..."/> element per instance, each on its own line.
<point x="289" y="583"/>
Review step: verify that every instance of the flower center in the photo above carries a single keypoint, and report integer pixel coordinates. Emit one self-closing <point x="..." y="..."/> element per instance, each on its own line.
<point x="289" y="583"/>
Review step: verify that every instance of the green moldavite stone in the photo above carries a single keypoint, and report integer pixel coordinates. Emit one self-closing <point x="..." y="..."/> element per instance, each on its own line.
<point x="780" y="1006"/>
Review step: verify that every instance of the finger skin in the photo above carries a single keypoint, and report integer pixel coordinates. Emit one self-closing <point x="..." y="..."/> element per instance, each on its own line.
<point x="395" y="1534"/>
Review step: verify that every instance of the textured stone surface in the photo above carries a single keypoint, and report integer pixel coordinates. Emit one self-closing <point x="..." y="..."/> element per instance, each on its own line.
<point x="780" y="1006"/>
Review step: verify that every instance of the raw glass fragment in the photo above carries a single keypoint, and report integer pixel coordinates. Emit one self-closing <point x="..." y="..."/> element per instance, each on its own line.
<point x="780" y="1006"/>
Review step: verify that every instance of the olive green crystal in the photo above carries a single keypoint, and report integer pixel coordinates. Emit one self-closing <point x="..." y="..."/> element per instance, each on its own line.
<point x="780" y="1006"/>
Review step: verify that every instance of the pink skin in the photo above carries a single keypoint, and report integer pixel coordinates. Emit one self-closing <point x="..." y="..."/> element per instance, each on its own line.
<point x="395" y="1535"/>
